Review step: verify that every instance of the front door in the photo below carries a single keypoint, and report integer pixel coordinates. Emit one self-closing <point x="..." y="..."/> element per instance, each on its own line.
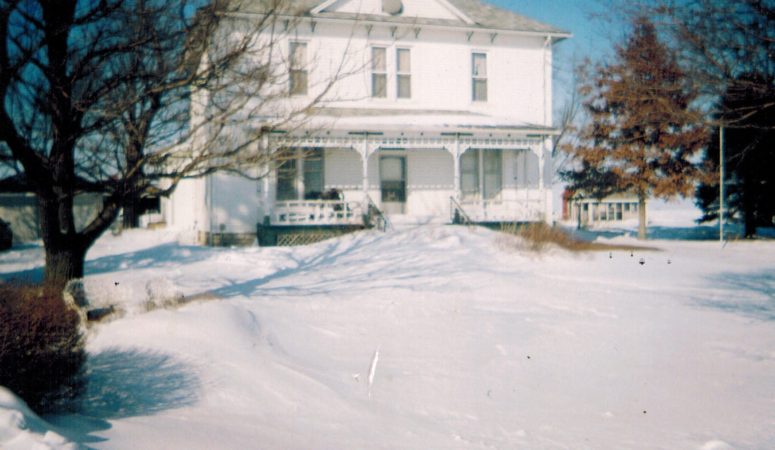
<point x="392" y="172"/>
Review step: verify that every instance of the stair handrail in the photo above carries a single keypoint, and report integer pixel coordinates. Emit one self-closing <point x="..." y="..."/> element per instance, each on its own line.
<point x="383" y="224"/>
<point x="457" y="213"/>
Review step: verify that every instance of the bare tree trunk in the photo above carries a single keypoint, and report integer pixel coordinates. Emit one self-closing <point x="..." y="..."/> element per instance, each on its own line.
<point x="63" y="264"/>
<point x="641" y="216"/>
<point x="131" y="206"/>
<point x="64" y="251"/>
<point x="749" y="207"/>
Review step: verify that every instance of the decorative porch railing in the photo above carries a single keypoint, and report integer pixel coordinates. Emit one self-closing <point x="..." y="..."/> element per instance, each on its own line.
<point x="317" y="212"/>
<point x="516" y="210"/>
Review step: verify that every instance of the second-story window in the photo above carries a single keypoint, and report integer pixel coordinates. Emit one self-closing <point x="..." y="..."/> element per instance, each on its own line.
<point x="378" y="72"/>
<point x="298" y="68"/>
<point x="403" y="73"/>
<point x="479" y="77"/>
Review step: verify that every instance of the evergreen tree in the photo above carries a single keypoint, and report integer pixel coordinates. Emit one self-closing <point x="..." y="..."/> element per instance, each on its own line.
<point x="749" y="158"/>
<point x="641" y="137"/>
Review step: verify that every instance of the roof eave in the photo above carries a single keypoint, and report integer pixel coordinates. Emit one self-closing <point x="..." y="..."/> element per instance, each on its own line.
<point x="556" y="35"/>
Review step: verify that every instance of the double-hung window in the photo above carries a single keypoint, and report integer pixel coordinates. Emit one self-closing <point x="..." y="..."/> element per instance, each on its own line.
<point x="298" y="76"/>
<point x="403" y="73"/>
<point x="479" y="77"/>
<point x="379" y="72"/>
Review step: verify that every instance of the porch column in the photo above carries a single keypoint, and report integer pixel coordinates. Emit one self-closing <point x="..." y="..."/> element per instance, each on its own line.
<point x="267" y="179"/>
<point x="456" y="165"/>
<point x="365" y="157"/>
<point x="541" y="165"/>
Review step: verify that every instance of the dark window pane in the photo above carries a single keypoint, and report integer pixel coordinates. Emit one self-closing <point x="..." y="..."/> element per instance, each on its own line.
<point x="286" y="180"/>
<point x="313" y="174"/>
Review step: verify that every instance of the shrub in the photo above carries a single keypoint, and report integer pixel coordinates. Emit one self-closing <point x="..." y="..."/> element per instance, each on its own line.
<point x="538" y="236"/>
<point x="41" y="346"/>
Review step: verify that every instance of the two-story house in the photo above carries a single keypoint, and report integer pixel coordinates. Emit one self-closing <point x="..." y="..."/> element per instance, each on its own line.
<point x="447" y="113"/>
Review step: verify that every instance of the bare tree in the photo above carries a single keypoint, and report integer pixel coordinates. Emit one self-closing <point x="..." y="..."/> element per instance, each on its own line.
<point x="720" y="44"/>
<point x="127" y="98"/>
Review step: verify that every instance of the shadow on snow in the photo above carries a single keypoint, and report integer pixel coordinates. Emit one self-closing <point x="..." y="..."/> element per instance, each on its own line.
<point x="164" y="255"/>
<point x="124" y="383"/>
<point x="748" y="294"/>
<point x="357" y="267"/>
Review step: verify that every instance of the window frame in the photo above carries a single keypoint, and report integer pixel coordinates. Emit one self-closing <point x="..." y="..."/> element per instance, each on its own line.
<point x="297" y="172"/>
<point x="480" y="174"/>
<point x="403" y="74"/>
<point x="477" y="79"/>
<point x="374" y="73"/>
<point x="295" y="69"/>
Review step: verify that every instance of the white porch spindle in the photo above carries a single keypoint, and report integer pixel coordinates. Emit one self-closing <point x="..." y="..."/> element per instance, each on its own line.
<point x="541" y="163"/>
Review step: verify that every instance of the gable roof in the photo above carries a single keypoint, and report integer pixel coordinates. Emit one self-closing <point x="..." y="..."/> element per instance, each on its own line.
<point x="483" y="15"/>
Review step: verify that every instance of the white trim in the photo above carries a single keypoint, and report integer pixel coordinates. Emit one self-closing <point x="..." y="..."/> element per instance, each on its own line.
<point x="456" y="12"/>
<point x="556" y="36"/>
<point x="444" y="3"/>
<point x="318" y="9"/>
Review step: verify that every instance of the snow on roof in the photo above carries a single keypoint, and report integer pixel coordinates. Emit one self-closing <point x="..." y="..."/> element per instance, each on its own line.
<point x="420" y="120"/>
<point x="484" y="16"/>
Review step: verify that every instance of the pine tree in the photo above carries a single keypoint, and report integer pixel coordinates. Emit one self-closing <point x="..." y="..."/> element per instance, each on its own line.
<point x="749" y="157"/>
<point x="641" y="137"/>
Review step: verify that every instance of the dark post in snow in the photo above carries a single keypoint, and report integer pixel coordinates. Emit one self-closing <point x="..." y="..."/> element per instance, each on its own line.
<point x="721" y="183"/>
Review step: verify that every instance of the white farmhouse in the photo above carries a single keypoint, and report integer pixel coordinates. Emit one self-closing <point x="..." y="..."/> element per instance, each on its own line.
<point x="447" y="114"/>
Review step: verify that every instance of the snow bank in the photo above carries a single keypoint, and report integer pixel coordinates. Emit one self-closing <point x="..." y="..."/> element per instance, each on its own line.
<point x="430" y="337"/>
<point x="22" y="429"/>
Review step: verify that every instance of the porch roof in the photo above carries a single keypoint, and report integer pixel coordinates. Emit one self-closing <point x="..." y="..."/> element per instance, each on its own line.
<point x="420" y="122"/>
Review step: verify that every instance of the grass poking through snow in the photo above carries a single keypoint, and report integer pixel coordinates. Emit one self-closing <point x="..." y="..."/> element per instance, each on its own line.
<point x="538" y="237"/>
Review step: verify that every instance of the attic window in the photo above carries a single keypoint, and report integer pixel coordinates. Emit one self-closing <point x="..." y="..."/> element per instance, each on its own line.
<point x="392" y="7"/>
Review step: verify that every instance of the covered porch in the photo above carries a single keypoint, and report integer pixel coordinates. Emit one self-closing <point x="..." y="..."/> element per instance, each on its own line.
<point x="345" y="175"/>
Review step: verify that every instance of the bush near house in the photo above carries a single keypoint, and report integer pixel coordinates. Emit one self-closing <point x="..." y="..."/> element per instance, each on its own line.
<point x="41" y="346"/>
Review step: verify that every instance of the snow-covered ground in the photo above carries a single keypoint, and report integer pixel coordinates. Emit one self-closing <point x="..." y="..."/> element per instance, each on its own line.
<point x="423" y="337"/>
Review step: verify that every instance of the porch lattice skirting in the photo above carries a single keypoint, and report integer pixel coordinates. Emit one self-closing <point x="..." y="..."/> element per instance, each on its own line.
<point x="293" y="239"/>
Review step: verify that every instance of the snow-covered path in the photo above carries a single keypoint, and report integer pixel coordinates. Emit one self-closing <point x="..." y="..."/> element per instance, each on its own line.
<point x="481" y="345"/>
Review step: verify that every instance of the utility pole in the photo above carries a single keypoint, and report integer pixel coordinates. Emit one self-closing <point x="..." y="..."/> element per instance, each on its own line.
<point x="721" y="183"/>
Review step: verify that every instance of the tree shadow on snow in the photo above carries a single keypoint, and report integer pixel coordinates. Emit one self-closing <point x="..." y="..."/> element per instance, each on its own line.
<point x="749" y="294"/>
<point x="127" y="383"/>
<point x="695" y="233"/>
<point x="164" y="255"/>
<point x="340" y="266"/>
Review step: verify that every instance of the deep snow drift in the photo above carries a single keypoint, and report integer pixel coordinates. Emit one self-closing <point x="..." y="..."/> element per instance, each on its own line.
<point x="425" y="337"/>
